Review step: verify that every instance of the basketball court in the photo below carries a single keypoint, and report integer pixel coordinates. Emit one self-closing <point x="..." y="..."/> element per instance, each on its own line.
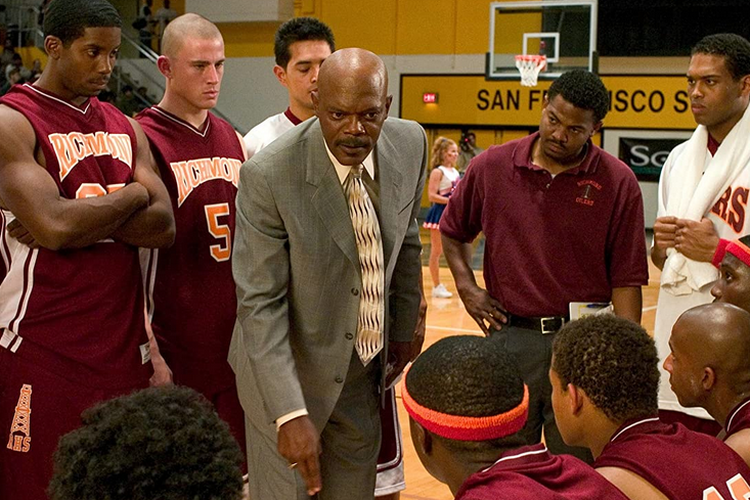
<point x="447" y="317"/>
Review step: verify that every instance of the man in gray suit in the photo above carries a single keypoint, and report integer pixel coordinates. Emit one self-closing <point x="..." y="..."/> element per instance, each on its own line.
<point x="311" y="401"/>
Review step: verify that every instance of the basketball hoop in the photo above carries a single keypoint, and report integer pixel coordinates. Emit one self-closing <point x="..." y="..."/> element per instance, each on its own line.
<point x="529" y="66"/>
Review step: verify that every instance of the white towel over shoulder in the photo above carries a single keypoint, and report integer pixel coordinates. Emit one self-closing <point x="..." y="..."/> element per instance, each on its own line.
<point x="692" y="193"/>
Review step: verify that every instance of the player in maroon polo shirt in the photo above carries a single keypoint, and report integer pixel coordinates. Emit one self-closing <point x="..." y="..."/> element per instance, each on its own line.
<point x="190" y="290"/>
<point x="709" y="366"/>
<point x="79" y="193"/>
<point x="605" y="382"/>
<point x="467" y="404"/>
<point x="563" y="222"/>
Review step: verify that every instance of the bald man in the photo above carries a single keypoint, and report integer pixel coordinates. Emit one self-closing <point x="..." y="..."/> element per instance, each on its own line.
<point x="709" y="367"/>
<point x="316" y="339"/>
<point x="190" y="290"/>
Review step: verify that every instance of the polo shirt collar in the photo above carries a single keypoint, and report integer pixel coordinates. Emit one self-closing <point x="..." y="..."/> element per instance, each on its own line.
<point x="522" y="156"/>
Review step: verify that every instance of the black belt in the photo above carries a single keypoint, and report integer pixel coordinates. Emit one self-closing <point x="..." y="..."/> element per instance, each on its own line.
<point x="544" y="325"/>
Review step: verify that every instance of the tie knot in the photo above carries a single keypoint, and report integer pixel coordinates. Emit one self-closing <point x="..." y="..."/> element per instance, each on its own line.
<point x="356" y="170"/>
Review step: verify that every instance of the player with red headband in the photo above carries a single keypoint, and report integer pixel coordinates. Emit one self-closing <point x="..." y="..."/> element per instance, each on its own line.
<point x="733" y="260"/>
<point x="467" y="404"/>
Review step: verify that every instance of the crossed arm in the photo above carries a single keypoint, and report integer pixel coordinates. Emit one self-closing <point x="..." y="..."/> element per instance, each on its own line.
<point x="140" y="213"/>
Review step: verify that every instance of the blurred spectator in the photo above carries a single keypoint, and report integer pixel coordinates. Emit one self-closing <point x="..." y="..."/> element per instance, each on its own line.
<point x="469" y="150"/>
<point x="164" y="16"/>
<point x="17" y="63"/>
<point x="6" y="57"/>
<point x="145" y="25"/>
<point x="13" y="78"/>
<point x="126" y="101"/>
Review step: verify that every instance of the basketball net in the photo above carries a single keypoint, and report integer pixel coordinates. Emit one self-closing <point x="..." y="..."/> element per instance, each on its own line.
<point x="529" y="66"/>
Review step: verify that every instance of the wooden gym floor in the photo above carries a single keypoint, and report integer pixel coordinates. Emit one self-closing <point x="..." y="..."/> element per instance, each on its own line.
<point x="447" y="317"/>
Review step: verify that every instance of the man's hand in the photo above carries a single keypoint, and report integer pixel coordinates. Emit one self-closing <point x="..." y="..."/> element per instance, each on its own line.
<point x="19" y="232"/>
<point x="696" y="240"/>
<point x="664" y="236"/>
<point x="299" y="443"/>
<point x="664" y="232"/>
<point x="399" y="354"/>
<point x="162" y="373"/>
<point x="482" y="307"/>
<point x="419" y="331"/>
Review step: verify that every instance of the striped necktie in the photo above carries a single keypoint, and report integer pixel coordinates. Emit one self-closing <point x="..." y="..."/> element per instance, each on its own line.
<point x="369" y="246"/>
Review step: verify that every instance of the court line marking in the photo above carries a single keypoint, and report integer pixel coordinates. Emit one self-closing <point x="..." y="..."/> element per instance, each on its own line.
<point x="453" y="329"/>
<point x="415" y="497"/>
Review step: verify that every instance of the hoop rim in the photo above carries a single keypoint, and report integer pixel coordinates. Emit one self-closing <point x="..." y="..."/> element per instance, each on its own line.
<point x="531" y="57"/>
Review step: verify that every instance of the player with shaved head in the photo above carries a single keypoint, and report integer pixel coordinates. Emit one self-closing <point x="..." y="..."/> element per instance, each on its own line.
<point x="191" y="297"/>
<point x="709" y="366"/>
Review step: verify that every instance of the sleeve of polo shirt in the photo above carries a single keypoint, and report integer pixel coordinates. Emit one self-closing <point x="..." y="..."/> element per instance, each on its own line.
<point x="626" y="246"/>
<point x="462" y="218"/>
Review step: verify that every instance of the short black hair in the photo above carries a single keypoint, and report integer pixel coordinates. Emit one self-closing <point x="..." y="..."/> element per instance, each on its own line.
<point x="68" y="19"/>
<point x="613" y="360"/>
<point x="734" y="48"/>
<point x="584" y="90"/>
<point x="467" y="376"/>
<point x="300" y="29"/>
<point x="163" y="442"/>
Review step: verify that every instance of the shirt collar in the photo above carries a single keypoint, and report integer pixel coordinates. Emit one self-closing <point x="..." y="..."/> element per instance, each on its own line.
<point x="343" y="170"/>
<point x="522" y="156"/>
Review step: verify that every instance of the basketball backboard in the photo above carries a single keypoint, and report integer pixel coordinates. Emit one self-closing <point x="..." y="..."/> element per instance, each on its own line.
<point x="562" y="30"/>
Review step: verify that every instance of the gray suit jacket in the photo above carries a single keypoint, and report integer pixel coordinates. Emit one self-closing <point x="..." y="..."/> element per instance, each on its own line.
<point x="297" y="270"/>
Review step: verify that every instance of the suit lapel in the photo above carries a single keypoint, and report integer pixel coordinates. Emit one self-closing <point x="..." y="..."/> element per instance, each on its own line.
<point x="390" y="197"/>
<point x="329" y="199"/>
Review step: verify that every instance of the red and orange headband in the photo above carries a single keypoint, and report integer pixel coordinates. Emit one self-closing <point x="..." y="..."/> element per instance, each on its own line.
<point x="468" y="428"/>
<point x="736" y="248"/>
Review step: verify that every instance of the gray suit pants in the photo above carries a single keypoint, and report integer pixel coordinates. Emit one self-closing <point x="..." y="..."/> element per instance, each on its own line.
<point x="350" y="442"/>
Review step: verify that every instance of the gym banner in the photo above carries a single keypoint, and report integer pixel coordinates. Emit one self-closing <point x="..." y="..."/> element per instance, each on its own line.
<point x="646" y="156"/>
<point x="636" y="101"/>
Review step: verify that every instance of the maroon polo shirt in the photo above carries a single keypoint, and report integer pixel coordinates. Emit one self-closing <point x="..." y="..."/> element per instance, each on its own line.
<point x="551" y="240"/>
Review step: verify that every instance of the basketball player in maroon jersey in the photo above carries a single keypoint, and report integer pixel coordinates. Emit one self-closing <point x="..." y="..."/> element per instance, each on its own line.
<point x="605" y="381"/>
<point x="190" y="291"/>
<point x="467" y="403"/>
<point x="80" y="192"/>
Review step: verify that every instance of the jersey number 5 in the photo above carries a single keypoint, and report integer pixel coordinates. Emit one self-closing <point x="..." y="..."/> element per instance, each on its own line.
<point x="738" y="487"/>
<point x="223" y="250"/>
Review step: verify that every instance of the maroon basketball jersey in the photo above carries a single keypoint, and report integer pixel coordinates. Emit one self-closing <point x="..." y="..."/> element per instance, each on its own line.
<point x="533" y="473"/>
<point x="190" y="289"/>
<point x="79" y="311"/>
<point x="739" y="418"/>
<point x="682" y="464"/>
